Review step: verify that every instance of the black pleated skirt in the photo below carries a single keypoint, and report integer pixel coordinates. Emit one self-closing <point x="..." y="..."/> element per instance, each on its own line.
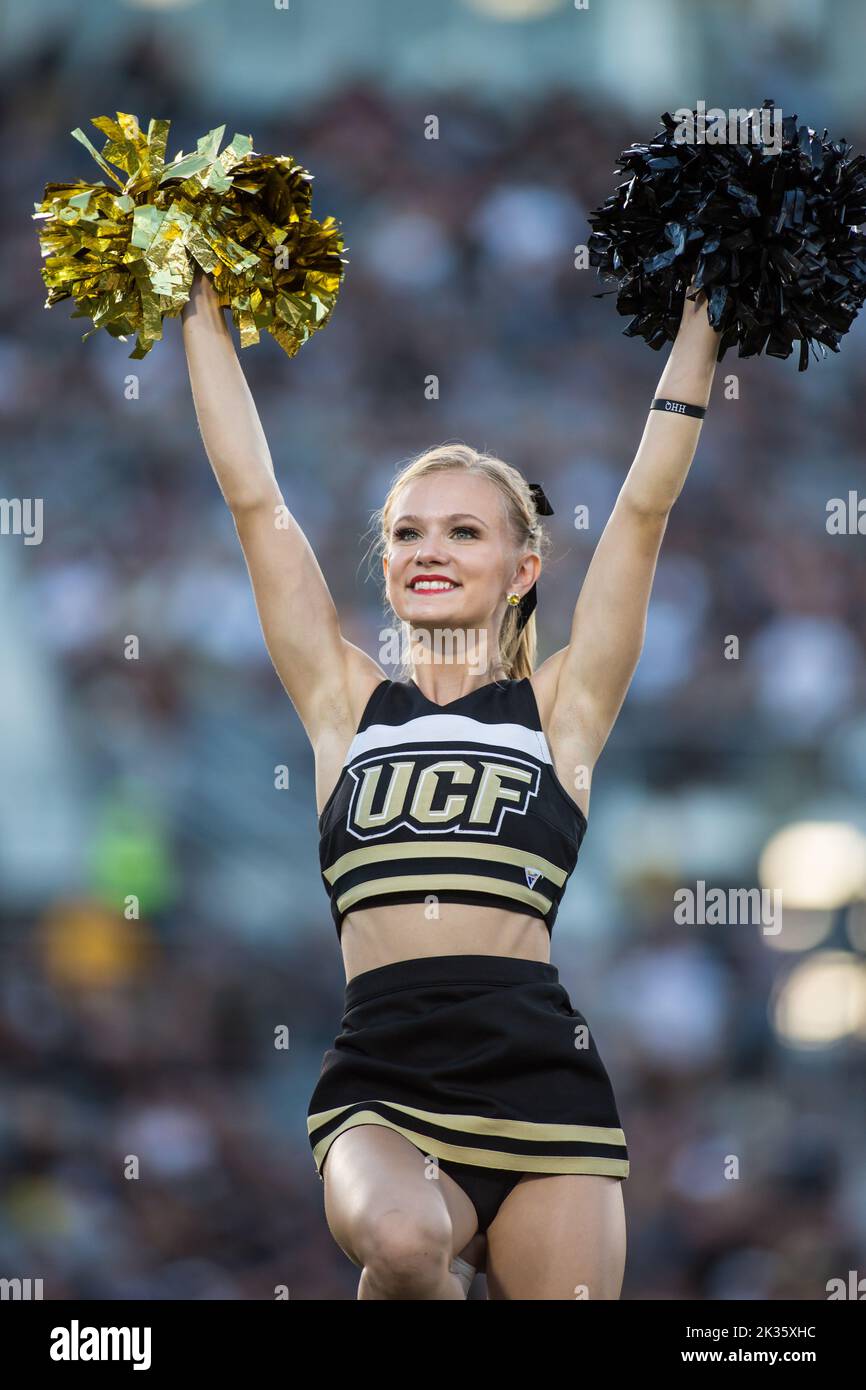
<point x="480" y="1061"/>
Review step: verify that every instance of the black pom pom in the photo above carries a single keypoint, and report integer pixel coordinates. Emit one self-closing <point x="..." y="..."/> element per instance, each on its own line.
<point x="772" y="238"/>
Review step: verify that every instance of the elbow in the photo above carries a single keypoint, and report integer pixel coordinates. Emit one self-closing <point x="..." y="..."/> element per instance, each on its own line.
<point x="644" y="507"/>
<point x="243" y="493"/>
<point x="244" y="504"/>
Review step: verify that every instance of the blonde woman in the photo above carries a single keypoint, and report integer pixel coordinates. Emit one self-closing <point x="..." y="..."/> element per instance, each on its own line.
<point x="464" y="1105"/>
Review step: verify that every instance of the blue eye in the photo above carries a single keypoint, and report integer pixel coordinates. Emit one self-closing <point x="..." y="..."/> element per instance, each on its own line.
<point x="403" y="532"/>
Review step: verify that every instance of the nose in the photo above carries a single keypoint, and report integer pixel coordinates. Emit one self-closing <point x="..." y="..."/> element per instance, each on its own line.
<point x="428" y="554"/>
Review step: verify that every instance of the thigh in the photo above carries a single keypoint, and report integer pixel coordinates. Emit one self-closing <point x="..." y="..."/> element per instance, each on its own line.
<point x="370" y="1170"/>
<point x="558" y="1236"/>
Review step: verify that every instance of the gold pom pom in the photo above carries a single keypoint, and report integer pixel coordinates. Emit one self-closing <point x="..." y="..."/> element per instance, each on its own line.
<point x="127" y="254"/>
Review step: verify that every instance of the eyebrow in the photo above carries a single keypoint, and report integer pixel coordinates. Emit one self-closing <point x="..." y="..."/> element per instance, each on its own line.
<point x="453" y="517"/>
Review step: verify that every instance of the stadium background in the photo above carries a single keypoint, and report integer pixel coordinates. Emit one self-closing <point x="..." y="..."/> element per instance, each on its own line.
<point x="155" y="776"/>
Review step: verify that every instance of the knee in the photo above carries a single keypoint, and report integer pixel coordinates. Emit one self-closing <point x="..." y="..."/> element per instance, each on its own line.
<point x="406" y="1253"/>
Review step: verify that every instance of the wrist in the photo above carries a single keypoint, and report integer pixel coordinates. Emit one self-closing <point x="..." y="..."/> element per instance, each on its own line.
<point x="203" y="306"/>
<point x="669" y="405"/>
<point x="694" y="354"/>
<point x="203" y="288"/>
<point x="695" y="326"/>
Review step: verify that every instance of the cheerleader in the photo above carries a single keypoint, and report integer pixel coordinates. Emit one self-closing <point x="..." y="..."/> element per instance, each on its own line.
<point x="464" y="1109"/>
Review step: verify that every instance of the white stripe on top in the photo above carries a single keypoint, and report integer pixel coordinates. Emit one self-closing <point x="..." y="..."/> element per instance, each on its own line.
<point x="450" y="729"/>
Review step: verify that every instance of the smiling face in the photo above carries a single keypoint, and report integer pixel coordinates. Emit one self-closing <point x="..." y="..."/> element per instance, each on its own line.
<point x="451" y="556"/>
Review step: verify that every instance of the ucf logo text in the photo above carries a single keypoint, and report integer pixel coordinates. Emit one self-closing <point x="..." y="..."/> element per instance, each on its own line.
<point x="465" y="794"/>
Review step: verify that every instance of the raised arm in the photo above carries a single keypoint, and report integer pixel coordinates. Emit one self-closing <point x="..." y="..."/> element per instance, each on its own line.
<point x="325" y="676"/>
<point x="591" y="676"/>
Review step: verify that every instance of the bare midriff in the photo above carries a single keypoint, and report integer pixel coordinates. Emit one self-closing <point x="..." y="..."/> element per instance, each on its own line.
<point x="406" y="931"/>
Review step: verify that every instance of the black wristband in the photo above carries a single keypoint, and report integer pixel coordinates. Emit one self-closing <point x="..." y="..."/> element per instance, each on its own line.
<point x="678" y="408"/>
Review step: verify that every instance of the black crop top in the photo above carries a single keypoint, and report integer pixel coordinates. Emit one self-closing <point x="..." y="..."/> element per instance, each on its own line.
<point x="457" y="802"/>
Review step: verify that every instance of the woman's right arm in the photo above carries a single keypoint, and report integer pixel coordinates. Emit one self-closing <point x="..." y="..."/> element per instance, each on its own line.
<point x="327" y="678"/>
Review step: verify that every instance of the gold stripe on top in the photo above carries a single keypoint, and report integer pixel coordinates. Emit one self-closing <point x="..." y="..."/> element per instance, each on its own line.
<point x="481" y="1158"/>
<point x="429" y="883"/>
<point x="450" y="849"/>
<point x="499" y="1128"/>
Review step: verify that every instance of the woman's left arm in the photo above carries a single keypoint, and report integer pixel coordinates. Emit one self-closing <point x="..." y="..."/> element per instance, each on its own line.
<point x="593" y="673"/>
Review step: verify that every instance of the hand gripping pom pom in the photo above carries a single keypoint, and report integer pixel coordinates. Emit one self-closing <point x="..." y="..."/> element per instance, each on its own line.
<point x="773" y="239"/>
<point x="127" y="254"/>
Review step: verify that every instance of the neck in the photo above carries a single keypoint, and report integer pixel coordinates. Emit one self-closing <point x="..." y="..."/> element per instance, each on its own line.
<point x="447" y="663"/>
<point x="443" y="682"/>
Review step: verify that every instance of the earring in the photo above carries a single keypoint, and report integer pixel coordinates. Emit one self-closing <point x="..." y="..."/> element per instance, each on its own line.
<point x="513" y="599"/>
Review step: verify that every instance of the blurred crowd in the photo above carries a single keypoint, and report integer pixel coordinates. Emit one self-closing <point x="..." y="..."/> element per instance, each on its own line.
<point x="162" y="912"/>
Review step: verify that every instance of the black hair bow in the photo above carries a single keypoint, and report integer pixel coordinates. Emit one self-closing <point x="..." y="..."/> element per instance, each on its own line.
<point x="528" y="603"/>
<point x="542" y="506"/>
